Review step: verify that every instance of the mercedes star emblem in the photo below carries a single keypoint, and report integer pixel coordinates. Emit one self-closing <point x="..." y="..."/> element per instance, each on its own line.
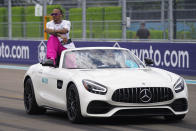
<point x="145" y="95"/>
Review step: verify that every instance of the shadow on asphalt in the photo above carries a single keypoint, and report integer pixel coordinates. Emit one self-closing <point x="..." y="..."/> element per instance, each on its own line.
<point x="113" y="120"/>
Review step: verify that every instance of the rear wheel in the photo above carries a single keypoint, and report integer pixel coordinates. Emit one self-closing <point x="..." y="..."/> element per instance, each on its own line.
<point x="30" y="103"/>
<point x="73" y="105"/>
<point x="174" y="117"/>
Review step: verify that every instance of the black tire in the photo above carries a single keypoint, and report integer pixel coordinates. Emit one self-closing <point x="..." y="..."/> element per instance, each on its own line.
<point x="73" y="105"/>
<point x="30" y="103"/>
<point x="174" y="117"/>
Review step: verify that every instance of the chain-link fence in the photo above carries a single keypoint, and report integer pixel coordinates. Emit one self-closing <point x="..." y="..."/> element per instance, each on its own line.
<point x="104" y="19"/>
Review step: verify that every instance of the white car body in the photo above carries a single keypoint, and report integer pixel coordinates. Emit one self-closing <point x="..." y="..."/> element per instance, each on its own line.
<point x="49" y="95"/>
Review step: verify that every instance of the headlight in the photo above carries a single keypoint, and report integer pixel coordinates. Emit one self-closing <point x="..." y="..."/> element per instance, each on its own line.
<point x="94" y="87"/>
<point x="179" y="85"/>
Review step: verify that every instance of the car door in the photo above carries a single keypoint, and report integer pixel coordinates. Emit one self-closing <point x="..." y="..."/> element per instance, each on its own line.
<point x="52" y="87"/>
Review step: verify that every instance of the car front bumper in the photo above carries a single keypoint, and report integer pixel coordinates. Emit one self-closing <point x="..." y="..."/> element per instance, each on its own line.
<point x="104" y="109"/>
<point x="95" y="105"/>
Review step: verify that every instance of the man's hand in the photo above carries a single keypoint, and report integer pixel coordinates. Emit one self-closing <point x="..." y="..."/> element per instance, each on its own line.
<point x="64" y="38"/>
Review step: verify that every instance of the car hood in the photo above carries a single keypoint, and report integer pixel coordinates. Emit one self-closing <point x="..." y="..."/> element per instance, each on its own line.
<point x="136" y="77"/>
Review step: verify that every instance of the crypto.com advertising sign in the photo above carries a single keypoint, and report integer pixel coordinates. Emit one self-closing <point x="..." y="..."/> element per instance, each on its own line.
<point x="175" y="57"/>
<point x="21" y="52"/>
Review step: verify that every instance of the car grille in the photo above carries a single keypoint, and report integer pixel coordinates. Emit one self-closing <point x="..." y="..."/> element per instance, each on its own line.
<point x="143" y="95"/>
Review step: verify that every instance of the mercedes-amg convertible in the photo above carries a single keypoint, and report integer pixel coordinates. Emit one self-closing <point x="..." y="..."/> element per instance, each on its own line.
<point x="104" y="82"/>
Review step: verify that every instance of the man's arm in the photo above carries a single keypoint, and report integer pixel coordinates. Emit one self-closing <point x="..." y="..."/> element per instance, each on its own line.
<point x="56" y="32"/>
<point x="50" y="31"/>
<point x="62" y="31"/>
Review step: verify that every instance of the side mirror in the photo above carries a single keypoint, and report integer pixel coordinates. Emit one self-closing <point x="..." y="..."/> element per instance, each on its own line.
<point x="48" y="62"/>
<point x="148" y="61"/>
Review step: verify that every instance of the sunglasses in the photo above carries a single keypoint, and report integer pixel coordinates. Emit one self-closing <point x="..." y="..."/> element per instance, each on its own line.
<point x="55" y="14"/>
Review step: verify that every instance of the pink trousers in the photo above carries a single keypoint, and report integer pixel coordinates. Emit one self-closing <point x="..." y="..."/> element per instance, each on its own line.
<point x="54" y="48"/>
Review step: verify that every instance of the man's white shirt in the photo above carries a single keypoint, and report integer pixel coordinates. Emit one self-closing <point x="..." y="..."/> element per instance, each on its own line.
<point x="65" y="24"/>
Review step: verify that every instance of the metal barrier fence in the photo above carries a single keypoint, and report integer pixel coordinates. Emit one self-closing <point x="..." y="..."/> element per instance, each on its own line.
<point x="166" y="19"/>
<point x="186" y="30"/>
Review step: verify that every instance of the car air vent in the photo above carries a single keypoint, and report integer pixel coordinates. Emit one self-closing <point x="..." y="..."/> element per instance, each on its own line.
<point x="143" y="95"/>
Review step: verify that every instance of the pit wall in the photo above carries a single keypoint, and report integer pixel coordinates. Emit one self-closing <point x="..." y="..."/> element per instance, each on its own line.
<point x="176" y="57"/>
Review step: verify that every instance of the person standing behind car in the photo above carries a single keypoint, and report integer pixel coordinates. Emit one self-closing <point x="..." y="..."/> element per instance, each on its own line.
<point x="59" y="35"/>
<point x="143" y="32"/>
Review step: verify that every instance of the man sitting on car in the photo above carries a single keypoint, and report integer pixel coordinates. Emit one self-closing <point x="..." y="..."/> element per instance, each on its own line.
<point x="59" y="35"/>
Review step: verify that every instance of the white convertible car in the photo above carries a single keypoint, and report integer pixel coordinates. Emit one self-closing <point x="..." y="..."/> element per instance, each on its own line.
<point x="104" y="82"/>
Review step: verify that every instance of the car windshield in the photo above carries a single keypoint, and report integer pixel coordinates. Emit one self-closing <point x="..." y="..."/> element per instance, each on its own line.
<point x="101" y="58"/>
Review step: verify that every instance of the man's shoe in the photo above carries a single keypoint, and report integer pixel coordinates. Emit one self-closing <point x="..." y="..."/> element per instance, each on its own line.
<point x="48" y="62"/>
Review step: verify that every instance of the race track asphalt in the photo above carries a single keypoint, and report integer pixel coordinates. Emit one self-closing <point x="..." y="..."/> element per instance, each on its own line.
<point x="14" y="118"/>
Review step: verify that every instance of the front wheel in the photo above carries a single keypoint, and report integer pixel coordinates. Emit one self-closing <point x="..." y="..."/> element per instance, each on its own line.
<point x="174" y="117"/>
<point x="73" y="105"/>
<point x="30" y="103"/>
